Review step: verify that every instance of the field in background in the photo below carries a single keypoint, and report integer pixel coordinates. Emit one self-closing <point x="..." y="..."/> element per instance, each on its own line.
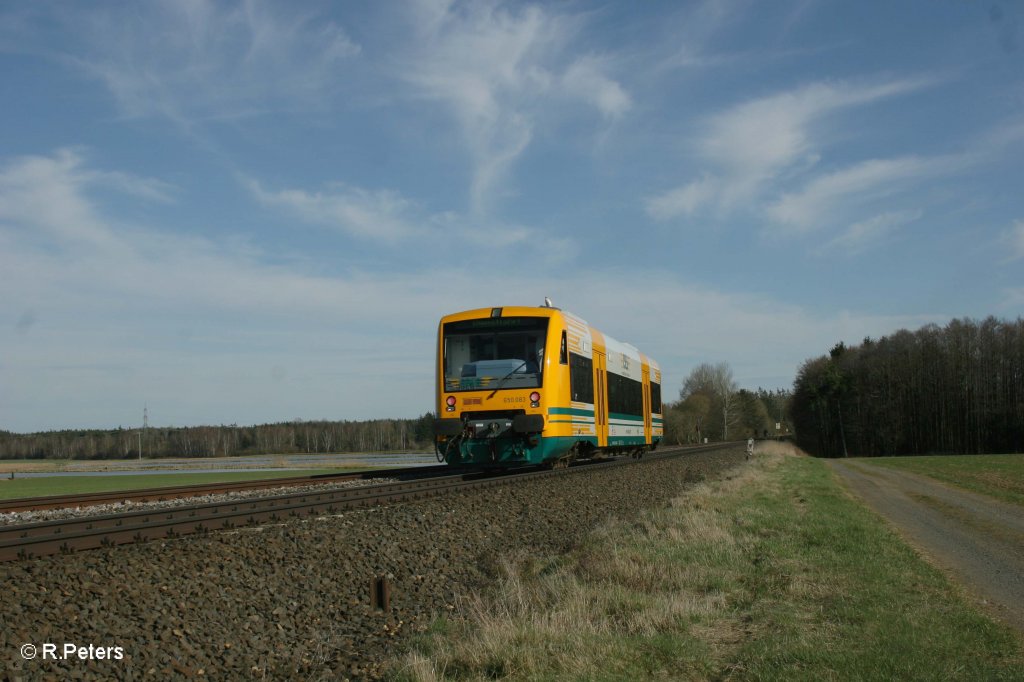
<point x="68" y="485"/>
<point x="999" y="476"/>
<point x="774" y="573"/>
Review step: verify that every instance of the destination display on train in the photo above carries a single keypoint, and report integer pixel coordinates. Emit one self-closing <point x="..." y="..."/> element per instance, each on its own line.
<point x="495" y="323"/>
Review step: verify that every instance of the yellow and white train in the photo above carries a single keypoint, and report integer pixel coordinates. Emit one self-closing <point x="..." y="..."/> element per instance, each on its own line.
<point x="525" y="385"/>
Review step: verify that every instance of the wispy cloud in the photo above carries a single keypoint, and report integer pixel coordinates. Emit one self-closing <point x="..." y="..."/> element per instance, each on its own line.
<point x="693" y="28"/>
<point x="148" y="308"/>
<point x="754" y="143"/>
<point x="586" y="78"/>
<point x="151" y="189"/>
<point x="1014" y="240"/>
<point x="863" y="234"/>
<point x="45" y="195"/>
<point x="148" y="311"/>
<point x="381" y="214"/>
<point x="814" y="206"/>
<point x="387" y="217"/>
<point x="186" y="61"/>
<point x="498" y="67"/>
<point x="683" y="200"/>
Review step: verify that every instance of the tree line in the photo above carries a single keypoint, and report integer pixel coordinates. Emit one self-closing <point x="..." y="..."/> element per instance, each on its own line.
<point x="712" y="406"/>
<point x="953" y="389"/>
<point x="375" y="435"/>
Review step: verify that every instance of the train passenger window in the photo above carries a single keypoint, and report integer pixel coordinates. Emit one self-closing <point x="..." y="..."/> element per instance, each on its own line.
<point x="563" y="354"/>
<point x="655" y="398"/>
<point x="625" y="395"/>
<point x="581" y="378"/>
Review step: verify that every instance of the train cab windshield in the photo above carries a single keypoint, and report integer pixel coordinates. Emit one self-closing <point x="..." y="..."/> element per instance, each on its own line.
<point x="494" y="353"/>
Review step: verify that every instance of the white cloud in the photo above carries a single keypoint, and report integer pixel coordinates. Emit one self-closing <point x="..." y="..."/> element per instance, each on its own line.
<point x="387" y="216"/>
<point x="586" y="79"/>
<point x="764" y="339"/>
<point x="499" y="68"/>
<point x="683" y="200"/>
<point x="381" y="214"/>
<point x="198" y="60"/>
<point x="143" y="188"/>
<point x="46" y="195"/>
<point x="761" y="136"/>
<point x="206" y="332"/>
<point x="1014" y="239"/>
<point x="861" y="235"/>
<point x="693" y="28"/>
<point x="754" y="143"/>
<point x="815" y="204"/>
<point x="483" y="62"/>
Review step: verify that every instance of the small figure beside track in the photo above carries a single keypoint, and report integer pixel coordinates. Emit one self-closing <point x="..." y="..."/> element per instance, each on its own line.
<point x="750" y="448"/>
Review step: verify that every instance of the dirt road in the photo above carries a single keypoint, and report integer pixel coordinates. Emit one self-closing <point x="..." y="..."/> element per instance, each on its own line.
<point x="976" y="539"/>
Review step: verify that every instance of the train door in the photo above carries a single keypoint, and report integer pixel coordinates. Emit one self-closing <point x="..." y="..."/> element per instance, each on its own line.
<point x="601" y="398"/>
<point x="647" y="404"/>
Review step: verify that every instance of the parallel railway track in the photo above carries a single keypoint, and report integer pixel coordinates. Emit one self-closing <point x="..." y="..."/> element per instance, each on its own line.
<point x="177" y="492"/>
<point x="26" y="541"/>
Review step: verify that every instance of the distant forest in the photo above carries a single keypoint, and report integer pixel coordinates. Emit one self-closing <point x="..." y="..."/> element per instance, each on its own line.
<point x="376" y="435"/>
<point x="954" y="389"/>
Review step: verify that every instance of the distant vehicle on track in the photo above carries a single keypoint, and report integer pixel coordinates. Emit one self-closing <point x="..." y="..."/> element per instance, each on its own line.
<point x="536" y="385"/>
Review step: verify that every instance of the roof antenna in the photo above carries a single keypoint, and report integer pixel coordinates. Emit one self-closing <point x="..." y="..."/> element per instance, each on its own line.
<point x="547" y="303"/>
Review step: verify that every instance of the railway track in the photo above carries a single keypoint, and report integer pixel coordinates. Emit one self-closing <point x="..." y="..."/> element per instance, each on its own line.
<point x="179" y="492"/>
<point x="27" y="541"/>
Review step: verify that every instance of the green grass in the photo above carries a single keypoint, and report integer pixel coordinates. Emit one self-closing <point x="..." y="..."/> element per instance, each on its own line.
<point x="68" y="485"/>
<point x="999" y="476"/>
<point x="775" y="573"/>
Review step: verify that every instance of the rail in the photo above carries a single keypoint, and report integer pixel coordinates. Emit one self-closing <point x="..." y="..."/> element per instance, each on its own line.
<point x="162" y="494"/>
<point x="26" y="541"/>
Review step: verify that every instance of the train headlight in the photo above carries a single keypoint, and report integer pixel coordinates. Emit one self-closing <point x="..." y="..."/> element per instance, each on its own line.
<point x="535" y="399"/>
<point x="451" y="404"/>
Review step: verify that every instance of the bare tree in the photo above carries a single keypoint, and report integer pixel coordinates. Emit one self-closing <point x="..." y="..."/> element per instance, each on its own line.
<point x="725" y="388"/>
<point x="716" y="384"/>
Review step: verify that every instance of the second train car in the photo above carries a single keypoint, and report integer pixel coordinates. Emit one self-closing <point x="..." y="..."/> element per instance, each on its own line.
<point x="537" y="385"/>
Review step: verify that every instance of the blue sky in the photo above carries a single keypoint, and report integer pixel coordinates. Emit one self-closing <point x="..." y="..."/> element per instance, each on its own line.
<point x="252" y="212"/>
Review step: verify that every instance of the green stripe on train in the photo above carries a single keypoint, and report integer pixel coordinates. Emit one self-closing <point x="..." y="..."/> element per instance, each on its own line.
<point x="571" y="410"/>
<point x="627" y="417"/>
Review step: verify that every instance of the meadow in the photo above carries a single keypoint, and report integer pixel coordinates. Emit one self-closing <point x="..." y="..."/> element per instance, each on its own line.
<point x="999" y="476"/>
<point x="772" y="573"/>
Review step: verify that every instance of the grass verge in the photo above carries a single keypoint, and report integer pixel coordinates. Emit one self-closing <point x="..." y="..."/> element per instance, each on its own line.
<point x="772" y="573"/>
<point x="999" y="476"/>
<point x="69" y="485"/>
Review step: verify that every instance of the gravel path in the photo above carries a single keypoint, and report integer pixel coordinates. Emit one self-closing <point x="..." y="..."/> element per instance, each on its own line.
<point x="291" y="601"/>
<point x="977" y="539"/>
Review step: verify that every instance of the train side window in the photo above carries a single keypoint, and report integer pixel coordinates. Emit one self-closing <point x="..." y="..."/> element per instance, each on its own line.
<point x="625" y="395"/>
<point x="581" y="378"/>
<point x="563" y="354"/>
<point x="655" y="398"/>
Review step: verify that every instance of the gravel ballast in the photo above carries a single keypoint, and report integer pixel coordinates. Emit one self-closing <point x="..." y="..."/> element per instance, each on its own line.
<point x="292" y="600"/>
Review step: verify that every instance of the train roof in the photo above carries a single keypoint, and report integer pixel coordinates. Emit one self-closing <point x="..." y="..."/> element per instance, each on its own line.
<point x="613" y="345"/>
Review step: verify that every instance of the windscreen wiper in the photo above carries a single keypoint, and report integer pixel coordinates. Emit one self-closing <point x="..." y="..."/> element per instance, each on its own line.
<point x="505" y="378"/>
